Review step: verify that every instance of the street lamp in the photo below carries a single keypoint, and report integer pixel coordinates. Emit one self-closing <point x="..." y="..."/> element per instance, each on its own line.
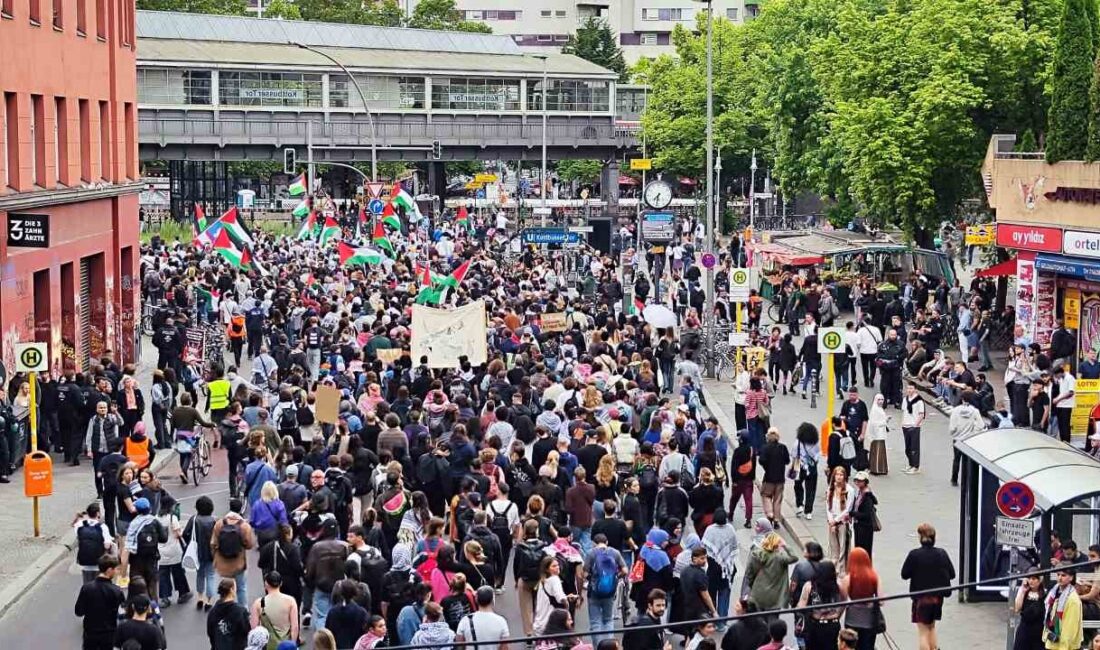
<point x="709" y="316"/>
<point x="545" y="115"/>
<point x="363" y="97"/>
<point x="752" y="193"/>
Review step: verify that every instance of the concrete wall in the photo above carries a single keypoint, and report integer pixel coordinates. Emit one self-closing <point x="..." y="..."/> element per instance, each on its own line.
<point x="1022" y="188"/>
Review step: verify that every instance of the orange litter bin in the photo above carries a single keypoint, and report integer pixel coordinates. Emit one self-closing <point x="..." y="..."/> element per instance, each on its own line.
<point x="37" y="474"/>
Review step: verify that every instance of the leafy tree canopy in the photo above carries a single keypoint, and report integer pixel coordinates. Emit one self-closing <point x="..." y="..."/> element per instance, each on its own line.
<point x="442" y="14"/>
<point x="584" y="171"/>
<point x="594" y="41"/>
<point x="220" y="7"/>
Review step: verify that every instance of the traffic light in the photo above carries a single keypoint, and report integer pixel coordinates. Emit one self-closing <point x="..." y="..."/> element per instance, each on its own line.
<point x="290" y="162"/>
<point x="437" y="150"/>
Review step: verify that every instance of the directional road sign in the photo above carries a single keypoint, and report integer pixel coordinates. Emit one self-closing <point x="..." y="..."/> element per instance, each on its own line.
<point x="376" y="206"/>
<point x="1015" y="500"/>
<point x="830" y="340"/>
<point x="31" y="357"/>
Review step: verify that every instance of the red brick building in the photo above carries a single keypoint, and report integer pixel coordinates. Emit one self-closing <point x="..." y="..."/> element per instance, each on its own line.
<point x="68" y="169"/>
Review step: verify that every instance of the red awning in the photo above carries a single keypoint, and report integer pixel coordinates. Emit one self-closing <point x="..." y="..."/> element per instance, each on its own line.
<point x="627" y="180"/>
<point x="785" y="255"/>
<point x="687" y="181"/>
<point x="1007" y="267"/>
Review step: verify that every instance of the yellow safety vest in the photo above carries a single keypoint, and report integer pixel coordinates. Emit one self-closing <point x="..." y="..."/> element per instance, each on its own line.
<point x="219" y="394"/>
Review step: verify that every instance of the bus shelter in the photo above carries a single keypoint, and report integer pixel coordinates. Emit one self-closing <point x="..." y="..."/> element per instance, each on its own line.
<point x="1066" y="486"/>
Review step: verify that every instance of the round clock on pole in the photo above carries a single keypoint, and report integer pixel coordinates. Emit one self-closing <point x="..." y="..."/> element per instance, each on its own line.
<point x="657" y="194"/>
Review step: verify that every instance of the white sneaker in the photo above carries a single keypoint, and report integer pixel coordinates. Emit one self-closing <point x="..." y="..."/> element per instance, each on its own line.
<point x="798" y="511"/>
<point x="809" y="516"/>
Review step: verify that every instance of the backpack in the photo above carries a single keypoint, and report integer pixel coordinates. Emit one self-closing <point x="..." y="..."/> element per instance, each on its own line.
<point x="605" y="574"/>
<point x="847" y="447"/>
<point x="230" y="544"/>
<point x="529" y="556"/>
<point x="109" y="468"/>
<point x="305" y="416"/>
<point x="429" y="563"/>
<point x="338" y="483"/>
<point x="148" y="541"/>
<point x="89" y="544"/>
<point x="499" y="524"/>
<point x="288" y="419"/>
<point x="647" y="478"/>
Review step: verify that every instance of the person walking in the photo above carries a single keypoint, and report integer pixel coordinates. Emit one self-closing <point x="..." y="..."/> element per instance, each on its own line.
<point x="807" y="458"/>
<point x="227" y="625"/>
<point x="912" y="418"/>
<point x="275" y="611"/>
<point x="928" y="567"/>
<point x="97" y="604"/>
<point x="823" y="624"/>
<point x="774" y="458"/>
<point x="743" y="476"/>
<point x="767" y="572"/>
<point x="838" y="506"/>
<point x="862" y="582"/>
<point x="138" y="631"/>
<point x="604" y="569"/>
<point x="229" y="540"/>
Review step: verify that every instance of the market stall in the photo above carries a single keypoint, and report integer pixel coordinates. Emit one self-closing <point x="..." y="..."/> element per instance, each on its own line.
<point x="773" y="258"/>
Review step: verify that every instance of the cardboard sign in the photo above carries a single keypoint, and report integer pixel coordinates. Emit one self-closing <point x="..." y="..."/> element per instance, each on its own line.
<point x="554" y="322"/>
<point x="389" y="355"/>
<point x="328" y="404"/>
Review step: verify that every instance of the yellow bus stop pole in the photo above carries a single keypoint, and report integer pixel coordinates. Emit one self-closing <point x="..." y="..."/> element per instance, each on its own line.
<point x="830" y="401"/>
<point x="737" y="319"/>
<point x="34" y="442"/>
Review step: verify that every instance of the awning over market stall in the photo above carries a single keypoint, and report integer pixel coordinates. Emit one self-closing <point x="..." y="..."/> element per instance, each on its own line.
<point x="784" y="255"/>
<point x="1007" y="267"/>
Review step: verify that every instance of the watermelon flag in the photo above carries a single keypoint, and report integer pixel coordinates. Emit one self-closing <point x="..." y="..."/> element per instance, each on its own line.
<point x="298" y="187"/>
<point x="232" y="222"/>
<point x="399" y="196"/>
<point x="227" y="249"/>
<point x="353" y="255"/>
<point x="389" y="217"/>
<point x="456" y="278"/>
<point x="301" y="210"/>
<point x="380" y="240"/>
<point x="308" y="227"/>
<point x="331" y="229"/>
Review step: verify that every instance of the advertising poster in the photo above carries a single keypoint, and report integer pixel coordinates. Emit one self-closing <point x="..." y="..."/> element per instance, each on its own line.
<point x="1025" y="296"/>
<point x="1045" y="308"/>
<point x="1089" y="330"/>
<point x="1087" y="396"/>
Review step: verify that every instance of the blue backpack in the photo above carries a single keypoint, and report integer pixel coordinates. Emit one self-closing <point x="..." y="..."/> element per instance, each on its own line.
<point x="605" y="574"/>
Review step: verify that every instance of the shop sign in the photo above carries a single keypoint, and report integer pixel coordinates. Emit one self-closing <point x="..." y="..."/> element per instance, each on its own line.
<point x="272" y="93"/>
<point x="1068" y="266"/>
<point x="29" y="230"/>
<point x="982" y="235"/>
<point x="1071" y="308"/>
<point x="1074" y="195"/>
<point x="1031" y="238"/>
<point x="1080" y="243"/>
<point x="1086" y="397"/>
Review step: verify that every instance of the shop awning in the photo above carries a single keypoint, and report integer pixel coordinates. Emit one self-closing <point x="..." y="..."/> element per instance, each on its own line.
<point x="785" y="255"/>
<point x="1073" y="266"/>
<point x="1007" y="267"/>
<point x="627" y="180"/>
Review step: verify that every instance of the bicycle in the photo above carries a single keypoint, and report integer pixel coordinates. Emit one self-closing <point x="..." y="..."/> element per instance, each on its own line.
<point x="201" y="462"/>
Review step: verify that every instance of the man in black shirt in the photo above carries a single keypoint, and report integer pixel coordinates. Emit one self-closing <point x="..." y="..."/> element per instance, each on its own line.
<point x="693" y="587"/>
<point x="98" y="604"/>
<point x="139" y="628"/>
<point x="590" y="454"/>
<point x="613" y="528"/>
<point x="652" y="638"/>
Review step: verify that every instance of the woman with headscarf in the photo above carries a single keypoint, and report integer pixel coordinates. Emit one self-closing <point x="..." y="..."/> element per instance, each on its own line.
<point x="877" y="426"/>
<point x="398" y="585"/>
<point x="257" y="639"/>
<point x="657" y="568"/>
<point x="720" y="540"/>
<point x="766" y="573"/>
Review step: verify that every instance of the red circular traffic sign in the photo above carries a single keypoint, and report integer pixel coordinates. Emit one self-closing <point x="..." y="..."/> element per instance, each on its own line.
<point x="1016" y="500"/>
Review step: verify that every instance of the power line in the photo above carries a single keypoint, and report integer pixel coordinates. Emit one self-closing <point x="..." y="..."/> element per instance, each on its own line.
<point x="771" y="613"/>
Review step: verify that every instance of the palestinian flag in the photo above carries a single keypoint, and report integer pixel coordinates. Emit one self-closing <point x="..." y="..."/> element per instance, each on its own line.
<point x="309" y="227"/>
<point x="401" y="198"/>
<point x="462" y="218"/>
<point x="360" y="224"/>
<point x="429" y="296"/>
<point x="254" y="263"/>
<point x="310" y="282"/>
<point x="232" y="222"/>
<point x="638" y="306"/>
<point x="329" y="230"/>
<point x="380" y="240"/>
<point x="301" y="210"/>
<point x="352" y="255"/>
<point x="389" y="217"/>
<point x="202" y="293"/>
<point x="456" y="277"/>
<point x="298" y="187"/>
<point x="199" y="223"/>
<point x="226" y="248"/>
<point x="207" y="236"/>
<point x="427" y="278"/>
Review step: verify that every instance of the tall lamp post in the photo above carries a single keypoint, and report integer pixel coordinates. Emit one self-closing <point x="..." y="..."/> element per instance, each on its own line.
<point x="545" y="114"/>
<point x="709" y="316"/>
<point x="366" y="107"/>
<point x="752" y="193"/>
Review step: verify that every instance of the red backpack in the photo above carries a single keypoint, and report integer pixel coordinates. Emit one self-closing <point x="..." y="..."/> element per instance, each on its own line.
<point x="429" y="563"/>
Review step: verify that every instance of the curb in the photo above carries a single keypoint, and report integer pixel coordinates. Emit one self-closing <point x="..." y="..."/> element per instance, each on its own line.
<point x="54" y="553"/>
<point x="796" y="531"/>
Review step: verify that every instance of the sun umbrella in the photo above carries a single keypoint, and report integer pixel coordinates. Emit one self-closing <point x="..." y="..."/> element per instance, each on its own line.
<point x="659" y="316"/>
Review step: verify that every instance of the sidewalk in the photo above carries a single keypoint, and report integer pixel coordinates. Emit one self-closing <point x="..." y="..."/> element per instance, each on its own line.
<point x="904" y="502"/>
<point x="26" y="558"/>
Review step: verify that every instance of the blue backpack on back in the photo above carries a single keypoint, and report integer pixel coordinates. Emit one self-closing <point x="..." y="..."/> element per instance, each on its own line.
<point x="605" y="574"/>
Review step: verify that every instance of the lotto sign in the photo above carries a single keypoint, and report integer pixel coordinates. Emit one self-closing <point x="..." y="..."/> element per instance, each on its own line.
<point x="31" y="357"/>
<point x="830" y="340"/>
<point x="739" y="285"/>
<point x="1015" y="500"/>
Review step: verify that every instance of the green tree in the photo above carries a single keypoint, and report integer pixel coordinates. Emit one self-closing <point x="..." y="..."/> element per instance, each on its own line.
<point x="284" y="9"/>
<point x="444" y="15"/>
<point x="582" y="171"/>
<point x="221" y="7"/>
<point x="386" y="13"/>
<point x="1068" y="126"/>
<point x="595" y="42"/>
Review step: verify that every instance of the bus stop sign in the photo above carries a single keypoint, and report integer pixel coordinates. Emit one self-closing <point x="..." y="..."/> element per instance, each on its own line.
<point x="1015" y="500"/>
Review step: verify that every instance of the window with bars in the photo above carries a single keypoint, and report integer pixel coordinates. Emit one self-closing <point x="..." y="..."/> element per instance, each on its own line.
<point x="269" y="89"/>
<point x="472" y="94"/>
<point x="570" y="96"/>
<point x="385" y="93"/>
<point x="648" y="39"/>
<point x="173" y="87"/>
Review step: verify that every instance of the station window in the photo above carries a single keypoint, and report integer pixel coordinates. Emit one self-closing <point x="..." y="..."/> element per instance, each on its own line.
<point x="648" y="39"/>
<point x="173" y="87"/>
<point x="560" y="13"/>
<point x="387" y="93"/>
<point x="269" y="89"/>
<point x="731" y="13"/>
<point x="472" y="94"/>
<point x="573" y="96"/>
<point x="546" y="13"/>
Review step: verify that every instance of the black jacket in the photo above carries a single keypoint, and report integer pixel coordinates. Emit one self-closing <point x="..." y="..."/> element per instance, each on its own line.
<point x="98" y="604"/>
<point x="927" y="567"/>
<point x="227" y="626"/>
<point x="654" y="638"/>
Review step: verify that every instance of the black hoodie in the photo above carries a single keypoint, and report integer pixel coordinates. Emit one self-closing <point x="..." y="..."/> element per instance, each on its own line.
<point x="227" y="626"/>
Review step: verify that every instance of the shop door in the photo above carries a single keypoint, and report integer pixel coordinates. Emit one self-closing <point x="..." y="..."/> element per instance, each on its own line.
<point x="84" y="327"/>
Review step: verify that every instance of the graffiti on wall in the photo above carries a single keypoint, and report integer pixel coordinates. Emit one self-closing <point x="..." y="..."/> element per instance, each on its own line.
<point x="1090" y="323"/>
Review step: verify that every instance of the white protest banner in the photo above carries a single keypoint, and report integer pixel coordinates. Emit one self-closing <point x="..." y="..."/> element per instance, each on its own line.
<point x="444" y="335"/>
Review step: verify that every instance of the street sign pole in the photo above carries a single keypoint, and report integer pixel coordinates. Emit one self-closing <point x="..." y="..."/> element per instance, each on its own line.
<point x="830" y="401"/>
<point x="31" y="358"/>
<point x="830" y="342"/>
<point x="34" y="444"/>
